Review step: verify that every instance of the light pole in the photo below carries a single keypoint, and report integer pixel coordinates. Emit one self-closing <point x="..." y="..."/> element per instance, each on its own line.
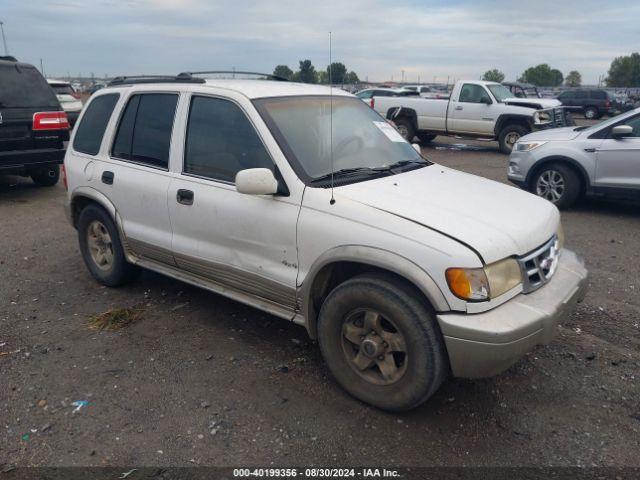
<point x="4" y="39"/>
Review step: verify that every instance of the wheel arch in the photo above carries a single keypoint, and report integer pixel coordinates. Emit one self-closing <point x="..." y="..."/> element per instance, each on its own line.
<point x="83" y="196"/>
<point x="585" y="185"/>
<point x="512" y="119"/>
<point x="403" y="112"/>
<point x="341" y="263"/>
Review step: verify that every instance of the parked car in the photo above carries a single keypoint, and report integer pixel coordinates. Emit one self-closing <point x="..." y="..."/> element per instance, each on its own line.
<point x="422" y="90"/>
<point x="33" y="126"/>
<point x="69" y="99"/>
<point x="593" y="103"/>
<point x="476" y="109"/>
<point x="522" y="90"/>
<point x="369" y="93"/>
<point x="563" y="164"/>
<point x="403" y="270"/>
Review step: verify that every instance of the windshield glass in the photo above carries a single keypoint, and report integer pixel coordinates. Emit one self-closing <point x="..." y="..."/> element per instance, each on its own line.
<point x="362" y="139"/>
<point x="500" y="92"/>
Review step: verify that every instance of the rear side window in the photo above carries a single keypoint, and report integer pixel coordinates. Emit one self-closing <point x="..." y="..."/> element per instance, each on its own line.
<point x="23" y="87"/>
<point x="94" y="122"/>
<point x="144" y="133"/>
<point x="221" y="141"/>
<point x="599" y="94"/>
<point x="62" y="89"/>
<point x="581" y="95"/>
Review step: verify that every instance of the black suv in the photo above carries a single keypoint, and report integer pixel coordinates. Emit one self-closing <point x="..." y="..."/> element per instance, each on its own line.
<point x="33" y="126"/>
<point x="592" y="103"/>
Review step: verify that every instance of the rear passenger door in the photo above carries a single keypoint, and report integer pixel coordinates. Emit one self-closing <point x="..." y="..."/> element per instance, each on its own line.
<point x="136" y="175"/>
<point x="245" y="243"/>
<point x="618" y="160"/>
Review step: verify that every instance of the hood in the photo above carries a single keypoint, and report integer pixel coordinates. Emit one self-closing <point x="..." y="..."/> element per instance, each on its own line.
<point x="494" y="219"/>
<point x="552" y="134"/>
<point x="537" y="103"/>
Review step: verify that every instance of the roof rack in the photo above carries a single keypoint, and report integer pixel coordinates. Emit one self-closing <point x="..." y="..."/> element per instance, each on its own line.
<point x="237" y="72"/>
<point x="134" y="79"/>
<point x="8" y="58"/>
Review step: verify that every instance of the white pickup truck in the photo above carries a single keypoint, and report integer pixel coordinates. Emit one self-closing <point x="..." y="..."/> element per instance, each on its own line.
<point x="476" y="109"/>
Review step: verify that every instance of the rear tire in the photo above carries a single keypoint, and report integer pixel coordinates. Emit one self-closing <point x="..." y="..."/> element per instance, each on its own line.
<point x="101" y="248"/>
<point x="405" y="128"/>
<point x="591" y="113"/>
<point x="381" y="342"/>
<point x="508" y="137"/>
<point x="426" y="138"/>
<point x="557" y="183"/>
<point x="45" y="176"/>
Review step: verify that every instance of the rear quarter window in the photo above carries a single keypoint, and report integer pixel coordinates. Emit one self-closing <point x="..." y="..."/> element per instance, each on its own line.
<point x="22" y="86"/>
<point x="94" y="123"/>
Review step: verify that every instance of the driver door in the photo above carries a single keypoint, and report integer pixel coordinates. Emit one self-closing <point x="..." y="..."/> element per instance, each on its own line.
<point x="473" y="112"/>
<point x="618" y="159"/>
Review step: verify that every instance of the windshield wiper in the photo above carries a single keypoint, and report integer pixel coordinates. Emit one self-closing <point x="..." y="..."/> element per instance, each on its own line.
<point x="346" y="172"/>
<point x="401" y="163"/>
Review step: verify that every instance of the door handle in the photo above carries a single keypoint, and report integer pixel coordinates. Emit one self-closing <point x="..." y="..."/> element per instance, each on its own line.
<point x="590" y="150"/>
<point x="107" y="177"/>
<point x="185" y="197"/>
<point x="458" y="107"/>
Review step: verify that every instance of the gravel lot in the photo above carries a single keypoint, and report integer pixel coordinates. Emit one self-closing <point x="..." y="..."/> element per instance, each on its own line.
<point x="203" y="380"/>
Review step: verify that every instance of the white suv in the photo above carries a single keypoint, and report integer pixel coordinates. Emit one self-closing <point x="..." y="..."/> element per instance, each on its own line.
<point x="310" y="206"/>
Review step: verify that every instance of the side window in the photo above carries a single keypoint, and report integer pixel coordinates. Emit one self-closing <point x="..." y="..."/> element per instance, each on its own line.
<point x="144" y="133"/>
<point x="221" y="141"/>
<point x="598" y="95"/>
<point x="581" y="95"/>
<point x="383" y="93"/>
<point x="94" y="122"/>
<point x="473" y="93"/>
<point x="634" y="122"/>
<point x="367" y="94"/>
<point x="565" y="96"/>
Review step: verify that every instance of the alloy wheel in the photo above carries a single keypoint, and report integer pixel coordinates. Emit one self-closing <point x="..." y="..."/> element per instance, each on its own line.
<point x="550" y="185"/>
<point x="100" y="245"/>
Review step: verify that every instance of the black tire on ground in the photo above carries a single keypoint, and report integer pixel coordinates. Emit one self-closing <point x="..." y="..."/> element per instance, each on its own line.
<point x="426" y="138"/>
<point x="405" y="127"/>
<point x="423" y="366"/>
<point x="559" y="178"/>
<point x="116" y="272"/>
<point x="592" y="113"/>
<point x="509" y="135"/>
<point x="45" y="176"/>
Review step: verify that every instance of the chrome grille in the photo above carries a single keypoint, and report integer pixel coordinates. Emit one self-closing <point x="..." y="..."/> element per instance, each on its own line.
<point x="539" y="266"/>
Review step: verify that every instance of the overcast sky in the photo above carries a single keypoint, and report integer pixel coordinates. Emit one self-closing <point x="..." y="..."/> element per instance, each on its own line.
<point x="375" y="38"/>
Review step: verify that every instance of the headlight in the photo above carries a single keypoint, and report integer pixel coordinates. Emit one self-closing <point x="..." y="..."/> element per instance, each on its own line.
<point x="541" y="117"/>
<point x="480" y="284"/>
<point x="528" y="146"/>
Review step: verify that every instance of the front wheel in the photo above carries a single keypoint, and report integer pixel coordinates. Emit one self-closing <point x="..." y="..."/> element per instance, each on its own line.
<point x="508" y="137"/>
<point x="591" y="113"/>
<point x="381" y="342"/>
<point x="558" y="184"/>
<point x="45" y="176"/>
<point x="405" y="128"/>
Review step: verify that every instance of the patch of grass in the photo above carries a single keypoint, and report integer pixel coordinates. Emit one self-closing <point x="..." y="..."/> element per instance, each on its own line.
<point x="116" y="318"/>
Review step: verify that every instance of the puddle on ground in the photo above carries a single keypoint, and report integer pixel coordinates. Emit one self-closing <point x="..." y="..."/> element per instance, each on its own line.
<point x="457" y="147"/>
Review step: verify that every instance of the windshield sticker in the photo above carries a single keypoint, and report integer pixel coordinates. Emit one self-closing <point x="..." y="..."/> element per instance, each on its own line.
<point x="391" y="133"/>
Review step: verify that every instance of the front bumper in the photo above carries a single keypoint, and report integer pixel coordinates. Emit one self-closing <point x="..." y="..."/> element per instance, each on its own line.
<point x="485" y="344"/>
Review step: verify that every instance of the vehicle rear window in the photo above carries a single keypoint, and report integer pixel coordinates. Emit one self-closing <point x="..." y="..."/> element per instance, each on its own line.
<point x="94" y="122"/>
<point x="62" y="89"/>
<point x="23" y="87"/>
<point x="144" y="133"/>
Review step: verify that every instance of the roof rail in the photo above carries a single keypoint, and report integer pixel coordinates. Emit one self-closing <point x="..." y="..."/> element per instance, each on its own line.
<point x="238" y="72"/>
<point x="134" y="79"/>
<point x="8" y="58"/>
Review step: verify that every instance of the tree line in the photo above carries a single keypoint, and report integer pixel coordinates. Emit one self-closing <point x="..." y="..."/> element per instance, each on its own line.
<point x="307" y="73"/>
<point x="623" y="72"/>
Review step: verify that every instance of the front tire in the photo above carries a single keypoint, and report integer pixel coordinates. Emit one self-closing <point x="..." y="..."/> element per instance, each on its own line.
<point x="381" y="342"/>
<point x="45" y="176"/>
<point x="101" y="248"/>
<point x="405" y="128"/>
<point x="508" y="137"/>
<point x="557" y="183"/>
<point x="591" y="113"/>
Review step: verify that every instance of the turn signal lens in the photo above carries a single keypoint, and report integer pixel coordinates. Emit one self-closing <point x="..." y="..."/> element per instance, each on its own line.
<point x="468" y="283"/>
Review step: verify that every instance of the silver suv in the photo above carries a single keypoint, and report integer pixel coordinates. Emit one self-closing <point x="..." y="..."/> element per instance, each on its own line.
<point x="563" y="164"/>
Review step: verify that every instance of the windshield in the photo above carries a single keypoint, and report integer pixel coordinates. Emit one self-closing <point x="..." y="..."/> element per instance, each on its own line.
<point x="500" y="92"/>
<point x="362" y="139"/>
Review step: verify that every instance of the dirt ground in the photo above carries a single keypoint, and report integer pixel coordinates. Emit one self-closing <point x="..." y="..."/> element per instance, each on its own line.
<point x="202" y="380"/>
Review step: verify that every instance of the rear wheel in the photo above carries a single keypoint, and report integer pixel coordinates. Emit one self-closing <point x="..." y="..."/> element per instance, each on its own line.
<point x="101" y="248"/>
<point x="405" y="128"/>
<point x="557" y="183"/>
<point x="45" y="176"/>
<point x="591" y="113"/>
<point x="381" y="342"/>
<point x="508" y="137"/>
<point x="426" y="138"/>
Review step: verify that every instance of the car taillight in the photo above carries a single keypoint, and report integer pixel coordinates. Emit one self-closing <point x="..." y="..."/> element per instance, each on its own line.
<point x="372" y="103"/>
<point x="50" y="121"/>
<point x="63" y="173"/>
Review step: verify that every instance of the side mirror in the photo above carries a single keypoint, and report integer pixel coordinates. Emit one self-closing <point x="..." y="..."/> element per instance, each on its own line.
<point x="485" y="100"/>
<point x="416" y="147"/>
<point x="621" y="131"/>
<point x="256" y="181"/>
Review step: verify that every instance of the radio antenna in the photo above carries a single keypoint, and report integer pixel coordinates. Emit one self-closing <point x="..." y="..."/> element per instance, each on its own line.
<point x="333" y="200"/>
